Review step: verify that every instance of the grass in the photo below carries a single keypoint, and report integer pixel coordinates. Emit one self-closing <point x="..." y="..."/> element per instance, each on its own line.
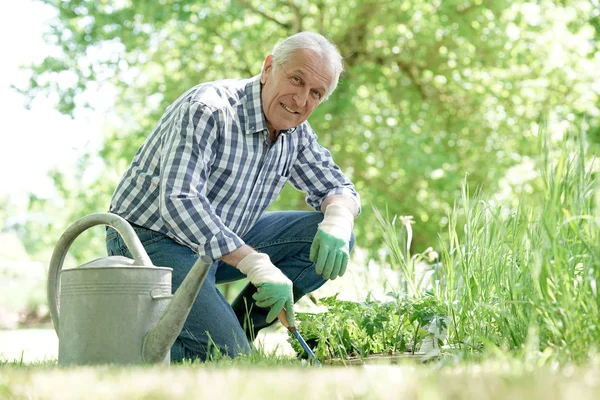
<point x="491" y="380"/>
<point x="526" y="282"/>
<point x="520" y="280"/>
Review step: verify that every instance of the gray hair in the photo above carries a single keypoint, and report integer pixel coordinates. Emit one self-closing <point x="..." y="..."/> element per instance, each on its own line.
<point x="314" y="42"/>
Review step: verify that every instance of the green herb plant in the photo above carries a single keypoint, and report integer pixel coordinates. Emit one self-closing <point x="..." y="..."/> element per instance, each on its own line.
<point x="351" y="329"/>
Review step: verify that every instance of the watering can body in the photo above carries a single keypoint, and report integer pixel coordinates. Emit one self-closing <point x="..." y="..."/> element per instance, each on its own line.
<point x="105" y="312"/>
<point x="117" y="310"/>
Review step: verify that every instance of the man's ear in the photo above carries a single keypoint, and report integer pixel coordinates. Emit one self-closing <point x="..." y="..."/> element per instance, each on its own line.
<point x="267" y="65"/>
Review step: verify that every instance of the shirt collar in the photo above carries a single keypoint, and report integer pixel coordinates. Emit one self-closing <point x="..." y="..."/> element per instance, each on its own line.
<point x="255" y="116"/>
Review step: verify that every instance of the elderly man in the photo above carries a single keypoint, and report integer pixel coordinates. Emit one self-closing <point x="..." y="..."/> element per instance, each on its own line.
<point x="201" y="182"/>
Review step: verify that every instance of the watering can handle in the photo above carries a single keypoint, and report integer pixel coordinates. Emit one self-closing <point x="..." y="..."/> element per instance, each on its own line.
<point x="60" y="251"/>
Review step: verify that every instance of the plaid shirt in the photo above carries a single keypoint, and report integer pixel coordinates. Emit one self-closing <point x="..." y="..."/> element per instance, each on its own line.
<point x="208" y="172"/>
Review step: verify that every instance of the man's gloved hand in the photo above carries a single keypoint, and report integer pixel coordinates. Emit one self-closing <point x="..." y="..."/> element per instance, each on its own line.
<point x="331" y="247"/>
<point x="275" y="289"/>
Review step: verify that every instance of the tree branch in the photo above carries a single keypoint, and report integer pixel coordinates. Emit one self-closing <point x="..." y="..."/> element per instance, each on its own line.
<point x="246" y="4"/>
<point x="244" y="68"/>
<point x="298" y="14"/>
<point x="321" y="16"/>
<point x="407" y="69"/>
<point x="357" y="34"/>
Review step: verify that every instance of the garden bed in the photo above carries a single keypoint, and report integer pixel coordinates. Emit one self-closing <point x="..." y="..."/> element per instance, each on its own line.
<point x="378" y="359"/>
<point x="374" y="332"/>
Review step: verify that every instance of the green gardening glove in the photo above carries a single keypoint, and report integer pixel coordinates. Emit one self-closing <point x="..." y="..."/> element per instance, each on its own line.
<point x="278" y="296"/>
<point x="275" y="289"/>
<point x="331" y="246"/>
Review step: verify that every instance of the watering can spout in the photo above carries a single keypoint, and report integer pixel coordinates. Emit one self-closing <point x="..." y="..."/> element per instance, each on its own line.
<point x="158" y="342"/>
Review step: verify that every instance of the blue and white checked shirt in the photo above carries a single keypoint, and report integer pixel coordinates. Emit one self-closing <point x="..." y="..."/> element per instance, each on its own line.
<point x="207" y="172"/>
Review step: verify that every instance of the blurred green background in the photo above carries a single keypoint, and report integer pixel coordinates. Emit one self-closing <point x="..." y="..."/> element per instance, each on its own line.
<point x="433" y="92"/>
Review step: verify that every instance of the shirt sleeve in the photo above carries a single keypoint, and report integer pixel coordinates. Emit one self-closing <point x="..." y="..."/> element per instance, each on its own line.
<point x="315" y="173"/>
<point x="188" y="147"/>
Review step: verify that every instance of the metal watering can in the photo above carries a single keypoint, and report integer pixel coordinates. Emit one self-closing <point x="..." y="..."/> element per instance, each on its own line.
<point x="116" y="310"/>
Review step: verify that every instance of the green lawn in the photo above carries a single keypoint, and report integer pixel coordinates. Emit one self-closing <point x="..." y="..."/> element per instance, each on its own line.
<point x="28" y="371"/>
<point x="489" y="381"/>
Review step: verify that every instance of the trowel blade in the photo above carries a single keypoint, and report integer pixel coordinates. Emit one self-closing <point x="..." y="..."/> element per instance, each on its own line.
<point x="309" y="352"/>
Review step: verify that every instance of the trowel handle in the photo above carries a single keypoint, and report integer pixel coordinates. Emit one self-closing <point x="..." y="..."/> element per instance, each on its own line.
<point x="283" y="319"/>
<point x="64" y="242"/>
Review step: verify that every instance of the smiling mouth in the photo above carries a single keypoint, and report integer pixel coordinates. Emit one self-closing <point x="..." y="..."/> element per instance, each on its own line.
<point x="288" y="109"/>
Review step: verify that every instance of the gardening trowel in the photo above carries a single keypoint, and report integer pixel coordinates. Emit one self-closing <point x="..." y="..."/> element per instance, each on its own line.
<point x="292" y="329"/>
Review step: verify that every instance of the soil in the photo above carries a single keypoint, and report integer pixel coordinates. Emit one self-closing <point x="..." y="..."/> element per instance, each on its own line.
<point x="372" y="359"/>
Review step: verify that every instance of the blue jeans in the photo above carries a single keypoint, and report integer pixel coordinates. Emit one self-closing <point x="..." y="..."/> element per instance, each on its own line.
<point x="213" y="324"/>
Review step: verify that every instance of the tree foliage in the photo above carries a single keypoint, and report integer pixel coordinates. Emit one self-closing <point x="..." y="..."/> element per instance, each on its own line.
<point x="433" y="90"/>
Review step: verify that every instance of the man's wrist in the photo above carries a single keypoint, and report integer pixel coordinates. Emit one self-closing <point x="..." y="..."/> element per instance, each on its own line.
<point x="237" y="255"/>
<point x="339" y="212"/>
<point x="338" y="222"/>
<point x="343" y="200"/>
<point x="259" y="269"/>
<point x="251" y="261"/>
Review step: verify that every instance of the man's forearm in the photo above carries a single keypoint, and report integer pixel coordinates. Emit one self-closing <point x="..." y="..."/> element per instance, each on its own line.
<point x="237" y="255"/>
<point x="341" y="200"/>
<point x="240" y="253"/>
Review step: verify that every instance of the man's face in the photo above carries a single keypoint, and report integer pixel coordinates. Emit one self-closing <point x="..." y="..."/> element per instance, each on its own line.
<point x="292" y="91"/>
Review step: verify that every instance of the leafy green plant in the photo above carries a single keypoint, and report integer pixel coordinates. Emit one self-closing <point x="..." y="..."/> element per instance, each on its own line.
<point x="350" y="329"/>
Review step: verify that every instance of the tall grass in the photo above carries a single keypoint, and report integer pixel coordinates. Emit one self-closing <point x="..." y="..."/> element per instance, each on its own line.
<point x="525" y="282"/>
